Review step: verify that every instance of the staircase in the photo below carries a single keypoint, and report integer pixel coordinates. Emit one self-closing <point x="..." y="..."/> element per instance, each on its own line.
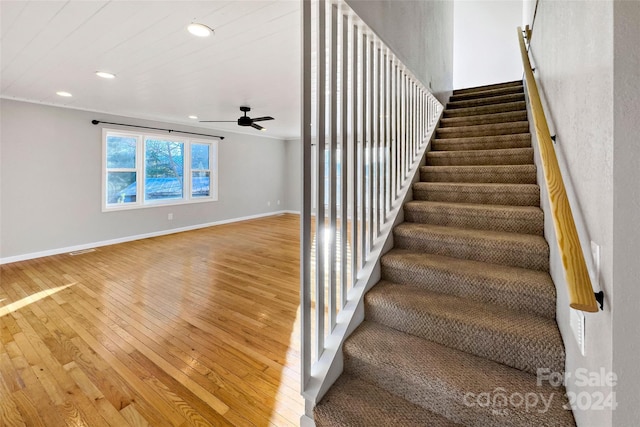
<point x="465" y="312"/>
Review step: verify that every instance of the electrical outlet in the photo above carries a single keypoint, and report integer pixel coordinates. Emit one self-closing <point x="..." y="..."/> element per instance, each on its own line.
<point x="268" y="203"/>
<point x="577" y="326"/>
<point x="170" y="217"/>
<point x="278" y="202"/>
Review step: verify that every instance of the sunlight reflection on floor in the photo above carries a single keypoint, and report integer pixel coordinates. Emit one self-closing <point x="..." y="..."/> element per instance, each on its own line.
<point x="14" y="306"/>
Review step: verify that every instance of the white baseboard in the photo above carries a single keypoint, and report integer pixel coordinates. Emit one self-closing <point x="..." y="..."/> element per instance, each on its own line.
<point x="306" y="421"/>
<point x="68" y="249"/>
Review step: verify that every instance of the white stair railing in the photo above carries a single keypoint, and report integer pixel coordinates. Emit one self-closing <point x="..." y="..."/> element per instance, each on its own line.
<point x="367" y="122"/>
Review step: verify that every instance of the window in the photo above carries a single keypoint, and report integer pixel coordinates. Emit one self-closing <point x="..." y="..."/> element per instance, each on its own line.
<point x="200" y="170"/>
<point x="163" y="169"/>
<point x="173" y="170"/>
<point x="121" y="169"/>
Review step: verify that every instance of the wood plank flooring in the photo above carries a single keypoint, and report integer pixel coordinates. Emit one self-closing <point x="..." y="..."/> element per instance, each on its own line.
<point x="191" y="329"/>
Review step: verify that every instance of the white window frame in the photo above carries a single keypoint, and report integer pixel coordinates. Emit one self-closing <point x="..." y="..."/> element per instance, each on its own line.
<point x="140" y="170"/>
<point x="191" y="171"/>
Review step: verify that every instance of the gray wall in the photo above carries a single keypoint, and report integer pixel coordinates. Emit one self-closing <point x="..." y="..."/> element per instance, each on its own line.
<point x="626" y="214"/>
<point x="588" y="69"/>
<point x="293" y="175"/>
<point x="419" y="32"/>
<point x="50" y="182"/>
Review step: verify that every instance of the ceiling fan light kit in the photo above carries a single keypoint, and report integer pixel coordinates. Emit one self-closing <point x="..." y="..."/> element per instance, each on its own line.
<point x="244" y="120"/>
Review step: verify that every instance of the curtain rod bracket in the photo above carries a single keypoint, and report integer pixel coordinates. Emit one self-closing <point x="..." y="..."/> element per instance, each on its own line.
<point x="96" y="122"/>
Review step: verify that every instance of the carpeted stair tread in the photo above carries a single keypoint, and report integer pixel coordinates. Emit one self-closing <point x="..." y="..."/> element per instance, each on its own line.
<point x="484" y="88"/>
<point x="356" y="403"/>
<point x="502" y="107"/>
<point x="521" y="289"/>
<point x="483" y="130"/>
<point x="520" y="340"/>
<point x="485" y="119"/>
<point x="448" y="381"/>
<point x="513" y="219"/>
<point x="480" y="193"/>
<point x="496" y="247"/>
<point x="499" y="99"/>
<point x="505" y="156"/>
<point x="519" y="140"/>
<point x="487" y="93"/>
<point x="506" y="174"/>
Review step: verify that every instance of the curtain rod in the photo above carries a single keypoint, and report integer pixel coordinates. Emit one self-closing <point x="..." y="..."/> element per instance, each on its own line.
<point x="95" y="122"/>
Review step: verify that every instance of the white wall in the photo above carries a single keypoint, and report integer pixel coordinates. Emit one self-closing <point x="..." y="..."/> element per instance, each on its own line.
<point x="572" y="46"/>
<point x="626" y="214"/>
<point x="485" y="44"/>
<point x="419" y="32"/>
<point x="50" y="182"/>
<point x="528" y="12"/>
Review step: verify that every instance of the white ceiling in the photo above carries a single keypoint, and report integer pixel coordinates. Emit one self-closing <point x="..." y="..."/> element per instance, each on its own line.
<point x="163" y="72"/>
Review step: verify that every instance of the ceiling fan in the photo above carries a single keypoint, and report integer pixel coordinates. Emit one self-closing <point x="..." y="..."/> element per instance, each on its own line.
<point x="243" y="120"/>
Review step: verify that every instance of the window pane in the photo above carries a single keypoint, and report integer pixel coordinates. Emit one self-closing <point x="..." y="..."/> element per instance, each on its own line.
<point x="200" y="182"/>
<point x="200" y="156"/>
<point x="164" y="169"/>
<point x="121" y="187"/>
<point x="121" y="151"/>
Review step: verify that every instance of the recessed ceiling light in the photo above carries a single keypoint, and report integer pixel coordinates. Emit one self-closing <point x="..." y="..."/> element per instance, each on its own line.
<point x="199" y="30"/>
<point x="63" y="93"/>
<point x="105" y="75"/>
<point x="193" y="117"/>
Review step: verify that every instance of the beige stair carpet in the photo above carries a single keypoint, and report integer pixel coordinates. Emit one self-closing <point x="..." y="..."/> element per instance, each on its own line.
<point x="466" y="306"/>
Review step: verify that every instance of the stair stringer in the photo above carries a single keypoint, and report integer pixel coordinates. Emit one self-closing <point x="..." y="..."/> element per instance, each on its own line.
<point x="331" y="364"/>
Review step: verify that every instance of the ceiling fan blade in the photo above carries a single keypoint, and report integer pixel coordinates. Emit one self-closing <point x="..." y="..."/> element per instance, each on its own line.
<point x="217" y="121"/>
<point x="262" y="119"/>
<point x="255" y="126"/>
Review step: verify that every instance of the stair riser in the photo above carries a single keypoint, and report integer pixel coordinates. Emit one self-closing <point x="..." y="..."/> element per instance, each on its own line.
<point x="492" y="252"/>
<point x="482" y="143"/>
<point x="498" y="346"/>
<point x="485" y="119"/>
<point x="483" y="130"/>
<point x="512" y="224"/>
<point x="419" y="391"/>
<point x="354" y="402"/>
<point x="443" y="398"/>
<point x="486" y="101"/>
<point x="486" y="93"/>
<point x="520" y="158"/>
<point x="440" y="379"/>
<point x="497" y="198"/>
<point x="487" y="87"/>
<point x="428" y="174"/>
<point x="477" y="288"/>
<point x="487" y="109"/>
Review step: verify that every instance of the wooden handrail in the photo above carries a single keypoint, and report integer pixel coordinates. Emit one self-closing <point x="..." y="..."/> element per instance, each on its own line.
<point x="581" y="296"/>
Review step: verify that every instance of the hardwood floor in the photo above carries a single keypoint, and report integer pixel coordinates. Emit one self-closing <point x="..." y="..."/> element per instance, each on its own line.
<point x="197" y="328"/>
